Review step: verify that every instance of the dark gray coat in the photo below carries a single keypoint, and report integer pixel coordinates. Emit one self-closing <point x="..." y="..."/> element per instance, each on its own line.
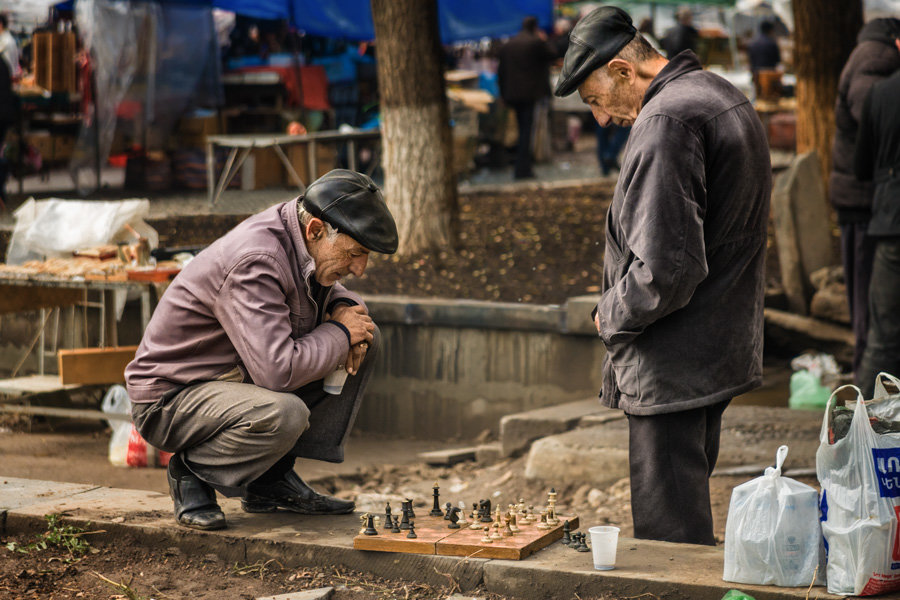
<point x="878" y="154"/>
<point x="681" y="313"/>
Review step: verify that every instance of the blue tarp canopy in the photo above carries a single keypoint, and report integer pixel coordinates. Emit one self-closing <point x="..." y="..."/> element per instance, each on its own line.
<point x="460" y="20"/>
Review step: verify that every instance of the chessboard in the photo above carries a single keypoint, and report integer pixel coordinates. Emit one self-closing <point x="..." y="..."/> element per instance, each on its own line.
<point x="434" y="537"/>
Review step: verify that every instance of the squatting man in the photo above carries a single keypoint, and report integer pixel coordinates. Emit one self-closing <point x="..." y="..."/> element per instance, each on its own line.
<point x="681" y="308"/>
<point x="229" y="374"/>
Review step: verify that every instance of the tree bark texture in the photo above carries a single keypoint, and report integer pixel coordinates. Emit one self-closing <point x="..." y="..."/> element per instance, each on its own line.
<point x="420" y="184"/>
<point x="824" y="35"/>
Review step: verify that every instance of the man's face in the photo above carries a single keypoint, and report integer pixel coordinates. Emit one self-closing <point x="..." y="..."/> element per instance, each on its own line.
<point x="613" y="98"/>
<point x="338" y="258"/>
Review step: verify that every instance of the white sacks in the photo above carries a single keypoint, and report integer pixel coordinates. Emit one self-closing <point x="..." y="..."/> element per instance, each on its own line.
<point x="859" y="471"/>
<point x="772" y="535"/>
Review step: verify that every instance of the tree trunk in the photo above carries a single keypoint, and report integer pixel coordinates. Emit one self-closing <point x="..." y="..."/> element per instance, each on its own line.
<point x="420" y="184"/>
<point x="824" y="35"/>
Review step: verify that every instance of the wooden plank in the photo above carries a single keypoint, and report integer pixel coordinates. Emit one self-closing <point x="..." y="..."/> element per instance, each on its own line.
<point x="64" y="413"/>
<point x="33" y="384"/>
<point x="22" y="298"/>
<point x="95" y="365"/>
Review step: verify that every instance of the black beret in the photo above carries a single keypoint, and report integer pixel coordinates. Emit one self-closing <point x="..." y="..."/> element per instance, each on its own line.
<point x="595" y="41"/>
<point x="352" y="203"/>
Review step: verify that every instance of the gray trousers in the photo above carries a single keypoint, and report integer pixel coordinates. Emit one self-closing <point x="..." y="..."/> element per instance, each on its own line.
<point x="671" y="457"/>
<point x="883" y="348"/>
<point x="231" y="433"/>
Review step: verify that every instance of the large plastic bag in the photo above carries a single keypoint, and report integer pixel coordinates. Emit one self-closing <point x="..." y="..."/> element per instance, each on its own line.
<point x="772" y="535"/>
<point x="859" y="471"/>
<point x="815" y="375"/>
<point x="117" y="401"/>
<point x="49" y="228"/>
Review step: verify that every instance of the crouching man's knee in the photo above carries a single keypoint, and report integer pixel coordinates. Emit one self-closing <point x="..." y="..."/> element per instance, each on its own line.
<point x="287" y="419"/>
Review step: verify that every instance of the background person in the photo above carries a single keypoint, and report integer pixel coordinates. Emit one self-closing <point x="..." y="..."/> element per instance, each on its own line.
<point x="681" y="313"/>
<point x="682" y="36"/>
<point x="874" y="58"/>
<point x="229" y="373"/>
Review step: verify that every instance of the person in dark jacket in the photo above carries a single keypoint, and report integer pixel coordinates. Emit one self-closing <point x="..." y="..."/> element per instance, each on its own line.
<point x="878" y="159"/>
<point x="682" y="36"/>
<point x="763" y="51"/>
<point x="8" y="112"/>
<point x="523" y="74"/>
<point x="234" y="372"/>
<point x="681" y="312"/>
<point x="874" y="58"/>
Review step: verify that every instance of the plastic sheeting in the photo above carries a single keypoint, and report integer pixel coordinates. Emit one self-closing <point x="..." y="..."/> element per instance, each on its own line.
<point x="152" y="63"/>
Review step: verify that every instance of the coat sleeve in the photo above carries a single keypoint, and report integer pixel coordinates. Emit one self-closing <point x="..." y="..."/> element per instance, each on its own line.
<point x="252" y="309"/>
<point x="864" y="157"/>
<point x="661" y="229"/>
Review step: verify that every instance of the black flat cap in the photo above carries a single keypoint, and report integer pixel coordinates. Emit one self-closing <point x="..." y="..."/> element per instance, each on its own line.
<point x="595" y="41"/>
<point x="352" y="203"/>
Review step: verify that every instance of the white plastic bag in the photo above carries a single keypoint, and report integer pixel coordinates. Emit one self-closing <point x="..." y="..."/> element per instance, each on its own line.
<point x="859" y="471"/>
<point x="117" y="401"/>
<point x="772" y="535"/>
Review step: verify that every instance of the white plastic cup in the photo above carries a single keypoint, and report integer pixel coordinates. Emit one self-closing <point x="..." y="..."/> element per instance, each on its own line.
<point x="604" y="539"/>
<point x="334" y="381"/>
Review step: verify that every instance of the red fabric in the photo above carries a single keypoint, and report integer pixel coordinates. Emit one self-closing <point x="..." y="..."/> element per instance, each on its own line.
<point x="312" y="86"/>
<point x="137" y="450"/>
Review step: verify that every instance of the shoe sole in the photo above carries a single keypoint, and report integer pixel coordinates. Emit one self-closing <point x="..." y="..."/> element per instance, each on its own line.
<point x="274" y="507"/>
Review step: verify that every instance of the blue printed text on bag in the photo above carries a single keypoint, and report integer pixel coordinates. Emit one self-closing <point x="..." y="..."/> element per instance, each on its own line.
<point x="887" y="469"/>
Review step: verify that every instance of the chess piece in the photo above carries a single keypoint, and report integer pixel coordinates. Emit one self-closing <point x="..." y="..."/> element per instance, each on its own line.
<point x="485" y="506"/>
<point x="543" y="524"/>
<point x="529" y="517"/>
<point x="370" y="525"/>
<point x="447" y="512"/>
<point x="412" y="513"/>
<point x="412" y="530"/>
<point x="507" y="531"/>
<point x="576" y="541"/>
<point x="404" y="522"/>
<point x="453" y="517"/>
<point x="582" y="544"/>
<point x="497" y="519"/>
<point x="388" y="519"/>
<point x="487" y="539"/>
<point x="436" y="507"/>
<point x="514" y="522"/>
<point x="552" y="519"/>
<point x="362" y="523"/>
<point x="520" y="508"/>
<point x="462" y="515"/>
<point x="495" y="531"/>
<point x="476" y="516"/>
<point x="396" y="526"/>
<point x="566" y="538"/>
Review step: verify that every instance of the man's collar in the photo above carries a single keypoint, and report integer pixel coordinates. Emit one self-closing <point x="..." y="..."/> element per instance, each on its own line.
<point x="289" y="213"/>
<point x="684" y="62"/>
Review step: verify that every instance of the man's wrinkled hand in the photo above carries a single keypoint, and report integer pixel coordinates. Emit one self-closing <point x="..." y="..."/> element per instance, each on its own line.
<point x="356" y="356"/>
<point x="357" y="321"/>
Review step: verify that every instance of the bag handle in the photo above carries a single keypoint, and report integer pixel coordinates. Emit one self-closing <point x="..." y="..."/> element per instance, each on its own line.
<point x="780" y="455"/>
<point x="880" y="391"/>
<point x="823" y="434"/>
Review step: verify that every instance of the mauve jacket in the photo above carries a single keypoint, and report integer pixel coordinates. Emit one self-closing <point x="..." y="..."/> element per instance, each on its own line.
<point x="243" y="302"/>
<point x="681" y="313"/>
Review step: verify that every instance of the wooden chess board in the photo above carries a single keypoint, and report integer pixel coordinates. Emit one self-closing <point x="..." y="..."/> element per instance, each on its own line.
<point x="435" y="538"/>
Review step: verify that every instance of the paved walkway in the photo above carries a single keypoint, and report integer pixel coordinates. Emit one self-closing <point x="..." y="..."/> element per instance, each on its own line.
<point x="672" y="571"/>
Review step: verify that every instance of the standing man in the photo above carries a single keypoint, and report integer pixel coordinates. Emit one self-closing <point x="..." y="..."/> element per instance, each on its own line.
<point x="9" y="49"/>
<point x="874" y="58"/>
<point x="878" y="157"/>
<point x="523" y="75"/>
<point x="682" y="36"/>
<point x="229" y="374"/>
<point x="763" y="52"/>
<point x="681" y="313"/>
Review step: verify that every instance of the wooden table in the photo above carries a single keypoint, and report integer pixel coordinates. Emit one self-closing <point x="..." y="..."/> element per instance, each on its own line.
<point x="242" y="144"/>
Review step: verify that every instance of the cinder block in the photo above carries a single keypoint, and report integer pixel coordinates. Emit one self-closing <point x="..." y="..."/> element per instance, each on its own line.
<point x="519" y="430"/>
<point x="316" y="594"/>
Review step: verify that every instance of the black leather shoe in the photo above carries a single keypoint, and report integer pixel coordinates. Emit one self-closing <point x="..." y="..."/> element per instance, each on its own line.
<point x="195" y="500"/>
<point x="291" y="493"/>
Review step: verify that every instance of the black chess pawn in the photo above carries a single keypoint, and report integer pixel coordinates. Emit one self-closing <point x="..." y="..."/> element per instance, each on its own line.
<point x="447" y="512"/>
<point x="412" y="530"/>
<point x="404" y="521"/>
<point x="453" y="517"/>
<point x="395" y="528"/>
<point x="582" y="544"/>
<point x="370" y="525"/>
<point x="576" y="541"/>
<point x="436" y="507"/>
<point x="566" y="538"/>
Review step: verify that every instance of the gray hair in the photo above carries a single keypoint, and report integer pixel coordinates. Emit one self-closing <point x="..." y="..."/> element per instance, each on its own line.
<point x="305" y="217"/>
<point x="638" y="50"/>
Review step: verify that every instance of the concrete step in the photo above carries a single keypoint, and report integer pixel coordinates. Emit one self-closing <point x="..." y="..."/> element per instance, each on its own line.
<point x="317" y="594"/>
<point x="517" y="431"/>
<point x="643" y="568"/>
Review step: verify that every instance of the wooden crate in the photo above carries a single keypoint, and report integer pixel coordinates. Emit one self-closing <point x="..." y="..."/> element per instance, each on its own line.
<point x="53" y="62"/>
<point x="94" y="365"/>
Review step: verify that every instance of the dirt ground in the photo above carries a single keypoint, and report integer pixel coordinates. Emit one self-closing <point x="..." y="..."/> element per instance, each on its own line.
<point x="77" y="452"/>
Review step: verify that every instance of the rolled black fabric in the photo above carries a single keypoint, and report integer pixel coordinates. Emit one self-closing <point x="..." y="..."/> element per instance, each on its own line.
<point x="595" y="41"/>
<point x="352" y="203"/>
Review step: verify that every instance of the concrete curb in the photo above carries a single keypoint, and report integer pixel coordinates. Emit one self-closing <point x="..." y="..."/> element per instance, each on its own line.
<point x="662" y="570"/>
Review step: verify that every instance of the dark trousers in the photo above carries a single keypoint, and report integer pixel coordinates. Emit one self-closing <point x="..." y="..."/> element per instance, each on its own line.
<point x="857" y="252"/>
<point x="883" y="344"/>
<point x="671" y="457"/>
<point x="525" y="121"/>
<point x="610" y="141"/>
